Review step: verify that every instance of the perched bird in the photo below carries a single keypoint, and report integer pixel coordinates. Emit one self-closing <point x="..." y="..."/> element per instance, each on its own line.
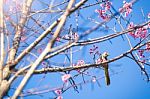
<point x="103" y="58"/>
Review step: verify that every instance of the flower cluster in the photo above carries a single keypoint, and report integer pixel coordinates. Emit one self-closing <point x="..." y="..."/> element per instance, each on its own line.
<point x="138" y="33"/>
<point x="126" y="9"/>
<point x="105" y="7"/>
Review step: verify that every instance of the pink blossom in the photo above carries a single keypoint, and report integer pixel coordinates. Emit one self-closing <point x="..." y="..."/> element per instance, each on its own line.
<point x="75" y="36"/>
<point x="59" y="97"/>
<point x="91" y="51"/>
<point x="141" y="53"/>
<point x="148" y="15"/>
<point x="148" y="25"/>
<point x="65" y="77"/>
<point x="93" y="79"/>
<point x="102" y="5"/>
<point x="103" y="11"/>
<point x="58" y="39"/>
<point x="40" y="50"/>
<point x="23" y="38"/>
<point x="58" y="92"/>
<point x="102" y="14"/>
<point x="80" y="62"/>
<point x="148" y="46"/>
<point x="131" y="25"/>
<point x="106" y="5"/>
<point x="98" y="61"/>
<point x="11" y="9"/>
<point x="44" y="64"/>
<point x="5" y="1"/>
<point x="94" y="50"/>
<point x="126" y="9"/>
<point x="139" y="33"/>
<point x="7" y="18"/>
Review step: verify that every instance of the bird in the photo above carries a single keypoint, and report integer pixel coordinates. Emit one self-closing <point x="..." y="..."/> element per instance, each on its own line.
<point x="103" y="58"/>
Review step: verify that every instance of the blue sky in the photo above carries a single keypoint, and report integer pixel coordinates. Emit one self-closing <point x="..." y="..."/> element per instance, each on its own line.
<point x="128" y="83"/>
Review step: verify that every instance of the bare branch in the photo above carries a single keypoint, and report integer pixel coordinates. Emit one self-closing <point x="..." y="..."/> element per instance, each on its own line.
<point x="41" y="57"/>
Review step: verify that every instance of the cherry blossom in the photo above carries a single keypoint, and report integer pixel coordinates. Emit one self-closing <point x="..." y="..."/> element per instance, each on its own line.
<point x="141" y="53"/>
<point x="93" y="79"/>
<point x="102" y="14"/>
<point x="40" y="50"/>
<point x="44" y="64"/>
<point x="7" y="18"/>
<point x="59" y="97"/>
<point x="104" y="9"/>
<point x="75" y="36"/>
<point x="131" y="25"/>
<point x="94" y="50"/>
<point x="149" y="18"/>
<point x="148" y="46"/>
<point x="23" y="38"/>
<point x="106" y="5"/>
<point x="138" y="33"/>
<point x="58" y="39"/>
<point x="80" y="62"/>
<point x="4" y="0"/>
<point x="65" y="77"/>
<point x="148" y="15"/>
<point x="126" y="9"/>
<point x="98" y="61"/>
<point x="141" y="32"/>
<point x="58" y="92"/>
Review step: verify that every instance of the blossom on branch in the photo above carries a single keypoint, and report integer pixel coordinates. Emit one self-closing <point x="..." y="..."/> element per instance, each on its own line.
<point x="80" y="62"/>
<point x="148" y="46"/>
<point x="65" y="77"/>
<point x="138" y="33"/>
<point x="126" y="9"/>
<point x="58" y="92"/>
<point x="105" y="7"/>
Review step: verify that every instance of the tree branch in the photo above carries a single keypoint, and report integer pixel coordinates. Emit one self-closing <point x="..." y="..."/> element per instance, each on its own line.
<point x="70" y="68"/>
<point x="41" y="57"/>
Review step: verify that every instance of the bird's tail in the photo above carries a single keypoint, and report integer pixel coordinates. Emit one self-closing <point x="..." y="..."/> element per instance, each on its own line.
<point x="107" y="78"/>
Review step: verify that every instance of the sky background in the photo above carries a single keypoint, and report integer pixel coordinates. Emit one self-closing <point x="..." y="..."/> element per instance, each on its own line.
<point x="128" y="83"/>
<point x="126" y="78"/>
